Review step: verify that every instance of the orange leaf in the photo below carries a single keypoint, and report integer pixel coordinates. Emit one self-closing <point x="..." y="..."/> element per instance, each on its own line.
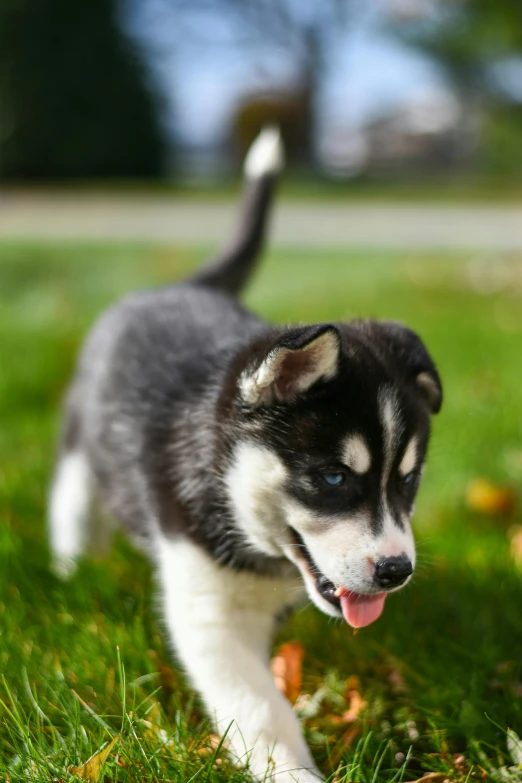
<point x="484" y="497"/>
<point x="287" y="669"/>
<point x="356" y="704"/>
<point x="92" y="768"/>
<point x="209" y="745"/>
<point x="352" y="684"/>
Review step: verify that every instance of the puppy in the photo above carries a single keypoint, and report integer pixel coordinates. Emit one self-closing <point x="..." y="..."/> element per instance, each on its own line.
<point x="255" y="463"/>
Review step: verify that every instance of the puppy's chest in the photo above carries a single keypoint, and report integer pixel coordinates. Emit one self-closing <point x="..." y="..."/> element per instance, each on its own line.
<point x="249" y="592"/>
<point x="278" y="597"/>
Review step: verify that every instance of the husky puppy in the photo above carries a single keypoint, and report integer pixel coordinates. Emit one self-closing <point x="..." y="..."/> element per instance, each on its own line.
<point x="256" y="463"/>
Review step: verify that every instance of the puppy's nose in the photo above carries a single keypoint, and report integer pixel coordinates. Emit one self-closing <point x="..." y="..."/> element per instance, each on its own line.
<point x="392" y="571"/>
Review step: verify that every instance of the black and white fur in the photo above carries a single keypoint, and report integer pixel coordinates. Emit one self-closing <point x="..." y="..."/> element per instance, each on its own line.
<point x="213" y="437"/>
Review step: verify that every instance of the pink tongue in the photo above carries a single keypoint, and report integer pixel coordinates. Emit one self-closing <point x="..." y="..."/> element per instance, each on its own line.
<point x="361" y="610"/>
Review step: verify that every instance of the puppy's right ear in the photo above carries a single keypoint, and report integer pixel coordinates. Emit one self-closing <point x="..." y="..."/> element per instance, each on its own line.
<point x="299" y="359"/>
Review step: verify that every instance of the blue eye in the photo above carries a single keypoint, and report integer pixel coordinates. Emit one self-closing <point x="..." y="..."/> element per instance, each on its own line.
<point x="333" y="479"/>
<point x="409" y="479"/>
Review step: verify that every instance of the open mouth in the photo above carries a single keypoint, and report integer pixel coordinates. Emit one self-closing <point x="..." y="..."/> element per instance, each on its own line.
<point x="357" y="609"/>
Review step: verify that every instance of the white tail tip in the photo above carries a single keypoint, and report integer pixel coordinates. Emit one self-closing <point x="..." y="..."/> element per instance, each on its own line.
<point x="266" y="155"/>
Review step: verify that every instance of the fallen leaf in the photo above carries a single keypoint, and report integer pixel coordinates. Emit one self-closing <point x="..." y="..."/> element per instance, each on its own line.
<point x="209" y="745"/>
<point x="339" y="774"/>
<point x="92" y="768"/>
<point x="287" y="669"/>
<point x="353" y="683"/>
<point x="462" y="767"/>
<point x="356" y="704"/>
<point x="484" y="497"/>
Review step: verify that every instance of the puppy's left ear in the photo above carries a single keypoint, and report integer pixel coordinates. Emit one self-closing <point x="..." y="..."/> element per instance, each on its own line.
<point x="291" y="365"/>
<point x="410" y="354"/>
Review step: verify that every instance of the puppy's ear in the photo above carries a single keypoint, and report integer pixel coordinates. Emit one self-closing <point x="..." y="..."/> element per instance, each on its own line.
<point x="410" y="354"/>
<point x="297" y="360"/>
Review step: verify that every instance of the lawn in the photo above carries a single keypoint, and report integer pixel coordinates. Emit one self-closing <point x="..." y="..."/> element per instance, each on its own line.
<point x="431" y="687"/>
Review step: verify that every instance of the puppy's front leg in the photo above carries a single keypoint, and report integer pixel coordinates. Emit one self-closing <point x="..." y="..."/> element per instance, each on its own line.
<point x="221" y="622"/>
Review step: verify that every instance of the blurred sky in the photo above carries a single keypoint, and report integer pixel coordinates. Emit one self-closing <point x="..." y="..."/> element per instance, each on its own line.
<point x="204" y="71"/>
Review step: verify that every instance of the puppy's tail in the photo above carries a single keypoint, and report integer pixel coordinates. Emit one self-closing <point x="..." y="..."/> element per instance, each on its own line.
<point x="230" y="271"/>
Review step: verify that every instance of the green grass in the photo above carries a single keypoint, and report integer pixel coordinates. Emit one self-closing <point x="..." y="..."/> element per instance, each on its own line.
<point x="440" y="672"/>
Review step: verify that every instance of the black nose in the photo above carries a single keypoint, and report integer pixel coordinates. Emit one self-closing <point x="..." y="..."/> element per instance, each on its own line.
<point x="392" y="571"/>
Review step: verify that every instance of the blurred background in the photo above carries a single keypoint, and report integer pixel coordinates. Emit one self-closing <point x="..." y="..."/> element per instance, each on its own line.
<point x="122" y="130"/>
<point x="382" y="91"/>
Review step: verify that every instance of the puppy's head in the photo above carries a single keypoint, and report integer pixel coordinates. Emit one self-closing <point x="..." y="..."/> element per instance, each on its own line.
<point x="331" y="432"/>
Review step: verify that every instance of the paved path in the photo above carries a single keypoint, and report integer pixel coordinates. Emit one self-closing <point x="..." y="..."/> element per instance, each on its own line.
<point x="168" y="218"/>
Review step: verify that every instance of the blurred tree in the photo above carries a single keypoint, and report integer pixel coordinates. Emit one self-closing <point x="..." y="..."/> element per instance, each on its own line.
<point x="465" y="37"/>
<point x="300" y="34"/>
<point x="74" y="97"/>
<point x="468" y="38"/>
